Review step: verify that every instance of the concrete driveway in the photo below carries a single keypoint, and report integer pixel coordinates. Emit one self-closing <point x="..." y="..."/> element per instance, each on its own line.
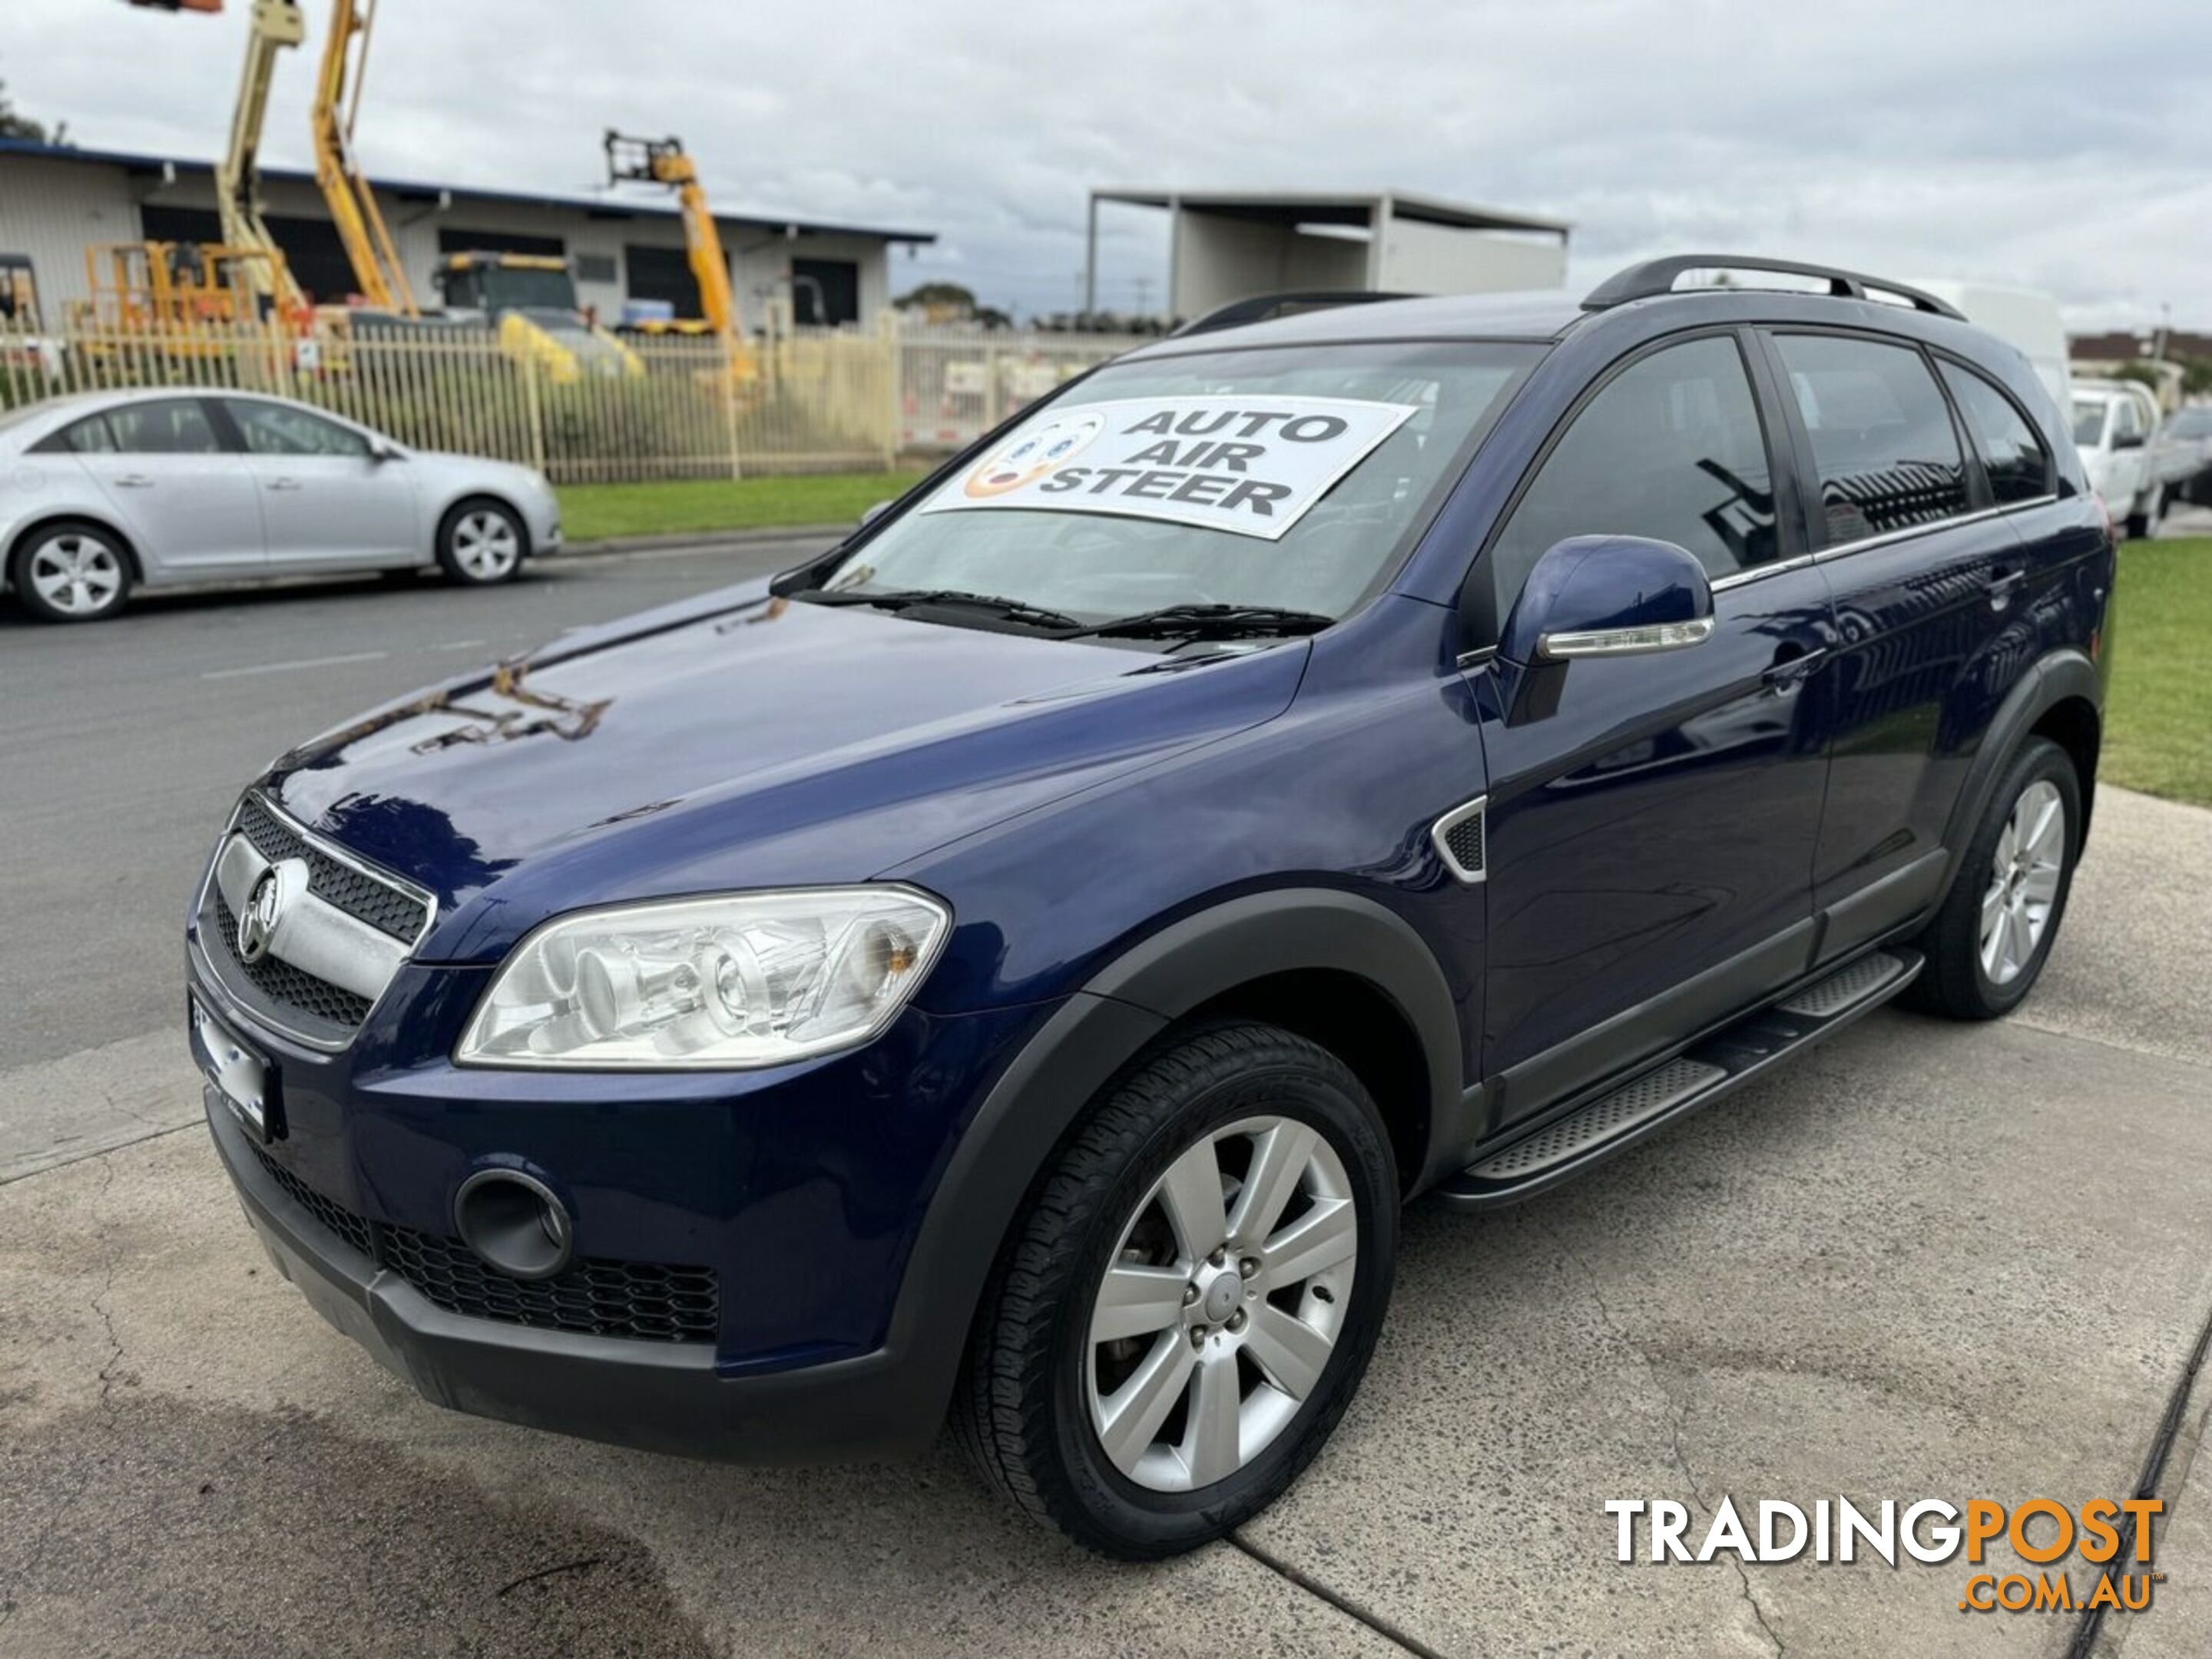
<point x="1929" y="1260"/>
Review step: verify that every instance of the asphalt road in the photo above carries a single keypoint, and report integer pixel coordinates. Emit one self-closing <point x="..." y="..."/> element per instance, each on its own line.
<point x="1926" y="1260"/>
<point x="123" y="745"/>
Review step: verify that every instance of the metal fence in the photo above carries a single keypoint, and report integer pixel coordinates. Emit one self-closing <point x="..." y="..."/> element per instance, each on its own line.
<point x="813" y="400"/>
<point x="956" y="384"/>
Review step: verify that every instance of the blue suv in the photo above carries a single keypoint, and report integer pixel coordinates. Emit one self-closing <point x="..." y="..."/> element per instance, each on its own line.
<point x="1020" y="963"/>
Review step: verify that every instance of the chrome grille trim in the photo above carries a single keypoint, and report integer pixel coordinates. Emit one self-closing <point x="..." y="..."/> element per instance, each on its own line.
<point x="320" y="848"/>
<point x="355" y="957"/>
<point x="315" y="936"/>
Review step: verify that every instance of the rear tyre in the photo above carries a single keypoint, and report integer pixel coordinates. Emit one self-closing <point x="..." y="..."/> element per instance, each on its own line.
<point x="481" y="543"/>
<point x="71" y="572"/>
<point x="1189" y="1303"/>
<point x="1989" y="941"/>
<point x="2145" y="518"/>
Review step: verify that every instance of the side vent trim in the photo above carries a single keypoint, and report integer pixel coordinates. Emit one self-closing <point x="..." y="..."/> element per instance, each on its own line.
<point x="1460" y="841"/>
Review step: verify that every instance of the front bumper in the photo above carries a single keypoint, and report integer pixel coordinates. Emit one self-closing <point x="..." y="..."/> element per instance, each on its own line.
<point x="662" y="1397"/>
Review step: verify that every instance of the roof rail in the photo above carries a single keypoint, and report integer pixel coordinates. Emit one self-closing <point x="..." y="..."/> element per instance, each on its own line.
<point x="1261" y="307"/>
<point x="1657" y="276"/>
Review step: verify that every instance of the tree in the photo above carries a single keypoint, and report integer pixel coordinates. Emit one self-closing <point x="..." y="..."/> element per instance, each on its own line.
<point x="948" y="297"/>
<point x="14" y="125"/>
<point x="2196" y="377"/>
<point x="2142" y="374"/>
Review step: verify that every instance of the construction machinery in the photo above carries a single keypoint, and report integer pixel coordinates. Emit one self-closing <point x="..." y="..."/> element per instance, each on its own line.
<point x="177" y="295"/>
<point x="378" y="273"/>
<point x="275" y="26"/>
<point x="662" y="161"/>
<point x="19" y="291"/>
<point x="531" y="300"/>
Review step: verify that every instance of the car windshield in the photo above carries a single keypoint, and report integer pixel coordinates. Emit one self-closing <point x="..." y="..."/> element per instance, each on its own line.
<point x="2089" y="421"/>
<point x="2192" y="423"/>
<point x="1294" y="479"/>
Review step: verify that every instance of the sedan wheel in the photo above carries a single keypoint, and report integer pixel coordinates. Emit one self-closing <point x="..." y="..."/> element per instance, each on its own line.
<point x="480" y="543"/>
<point x="73" y="573"/>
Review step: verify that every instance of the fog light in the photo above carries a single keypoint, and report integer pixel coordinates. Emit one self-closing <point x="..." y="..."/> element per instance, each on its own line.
<point x="513" y="1223"/>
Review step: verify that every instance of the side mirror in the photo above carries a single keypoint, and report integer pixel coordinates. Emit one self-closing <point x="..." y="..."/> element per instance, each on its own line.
<point x="1609" y="596"/>
<point x="382" y="453"/>
<point x="2128" y="441"/>
<point x="875" y="512"/>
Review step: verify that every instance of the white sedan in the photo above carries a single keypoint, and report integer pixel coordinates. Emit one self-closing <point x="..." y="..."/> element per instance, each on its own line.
<point x="104" y="492"/>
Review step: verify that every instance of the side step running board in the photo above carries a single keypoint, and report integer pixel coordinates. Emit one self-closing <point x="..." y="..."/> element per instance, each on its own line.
<point x="1707" y="1070"/>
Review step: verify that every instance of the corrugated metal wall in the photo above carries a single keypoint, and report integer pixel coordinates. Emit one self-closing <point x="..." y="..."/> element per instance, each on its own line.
<point x="53" y="210"/>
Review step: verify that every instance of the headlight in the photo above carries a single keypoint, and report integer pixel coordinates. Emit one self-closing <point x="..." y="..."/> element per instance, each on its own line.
<point x="744" y="980"/>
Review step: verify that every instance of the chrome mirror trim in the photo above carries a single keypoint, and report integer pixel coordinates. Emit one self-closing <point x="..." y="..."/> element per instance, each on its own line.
<point x="1625" y="641"/>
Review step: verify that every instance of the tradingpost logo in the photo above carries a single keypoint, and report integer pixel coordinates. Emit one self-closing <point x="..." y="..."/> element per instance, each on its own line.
<point x="2110" y="1536"/>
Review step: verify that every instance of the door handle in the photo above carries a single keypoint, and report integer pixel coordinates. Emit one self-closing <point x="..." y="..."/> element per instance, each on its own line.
<point x="283" y="484"/>
<point x="134" y="481"/>
<point x="2002" y="588"/>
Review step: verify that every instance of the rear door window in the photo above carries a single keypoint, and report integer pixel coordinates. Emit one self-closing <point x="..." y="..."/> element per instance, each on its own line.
<point x="280" y="429"/>
<point x="1883" y="444"/>
<point x="2013" y="455"/>
<point x="176" y="426"/>
<point x="1670" y="448"/>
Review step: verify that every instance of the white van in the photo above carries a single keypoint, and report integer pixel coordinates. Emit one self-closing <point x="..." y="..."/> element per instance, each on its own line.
<point x="2019" y="316"/>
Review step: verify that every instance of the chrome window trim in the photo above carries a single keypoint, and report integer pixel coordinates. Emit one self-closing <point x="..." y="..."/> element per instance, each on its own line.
<point x="1842" y="550"/>
<point x="1911" y="531"/>
<point x="1450" y="821"/>
<point x="1759" y="572"/>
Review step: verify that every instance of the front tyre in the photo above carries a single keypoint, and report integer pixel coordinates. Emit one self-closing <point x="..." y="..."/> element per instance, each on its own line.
<point x="481" y="543"/>
<point x="1990" y="939"/>
<point x="1187" y="1304"/>
<point x="71" y="572"/>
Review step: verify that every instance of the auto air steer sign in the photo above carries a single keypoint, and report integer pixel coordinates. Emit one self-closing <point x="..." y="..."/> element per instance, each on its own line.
<point x="1252" y="464"/>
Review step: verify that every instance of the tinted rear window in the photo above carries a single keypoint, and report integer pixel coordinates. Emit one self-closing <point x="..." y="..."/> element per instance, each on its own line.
<point x="1883" y="443"/>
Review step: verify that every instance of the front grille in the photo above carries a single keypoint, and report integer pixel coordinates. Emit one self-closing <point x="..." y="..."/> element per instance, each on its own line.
<point x="387" y="909"/>
<point x="647" y="1301"/>
<point x="292" y="987"/>
<point x="340" y="1220"/>
<point x="642" y="1299"/>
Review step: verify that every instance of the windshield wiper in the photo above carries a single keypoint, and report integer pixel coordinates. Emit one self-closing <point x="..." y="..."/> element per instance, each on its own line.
<point x="1211" y="621"/>
<point x="907" y="598"/>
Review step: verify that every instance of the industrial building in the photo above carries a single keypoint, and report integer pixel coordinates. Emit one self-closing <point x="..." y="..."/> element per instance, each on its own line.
<point x="1225" y="246"/>
<point x="56" y="202"/>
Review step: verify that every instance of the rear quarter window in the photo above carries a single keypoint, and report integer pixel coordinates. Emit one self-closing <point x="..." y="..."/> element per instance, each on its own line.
<point x="89" y="436"/>
<point x="2012" y="453"/>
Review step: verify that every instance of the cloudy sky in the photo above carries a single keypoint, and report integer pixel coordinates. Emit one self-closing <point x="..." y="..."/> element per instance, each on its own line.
<point x="2039" y="142"/>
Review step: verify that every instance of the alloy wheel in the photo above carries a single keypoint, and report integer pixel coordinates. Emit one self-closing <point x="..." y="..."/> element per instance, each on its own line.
<point x="1221" y="1304"/>
<point x="77" y="572"/>
<point x="2024" y="874"/>
<point x="485" y="545"/>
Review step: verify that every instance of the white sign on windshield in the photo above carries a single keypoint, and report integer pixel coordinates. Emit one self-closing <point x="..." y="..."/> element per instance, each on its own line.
<point x="1249" y="464"/>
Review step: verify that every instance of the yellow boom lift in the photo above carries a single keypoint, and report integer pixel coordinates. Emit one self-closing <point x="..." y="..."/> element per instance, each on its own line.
<point x="164" y="286"/>
<point x="662" y="161"/>
<point x="275" y="26"/>
<point x="376" y="271"/>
